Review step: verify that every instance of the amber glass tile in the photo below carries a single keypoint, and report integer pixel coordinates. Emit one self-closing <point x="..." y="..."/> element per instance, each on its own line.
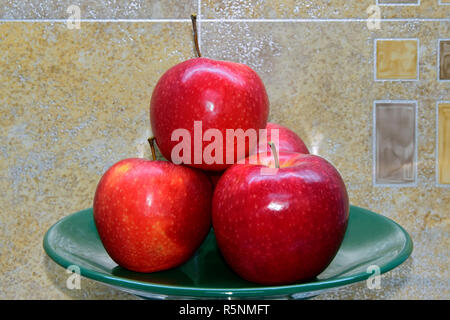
<point x="444" y="60"/>
<point x="444" y="143"/>
<point x="396" y="59"/>
<point x="395" y="143"/>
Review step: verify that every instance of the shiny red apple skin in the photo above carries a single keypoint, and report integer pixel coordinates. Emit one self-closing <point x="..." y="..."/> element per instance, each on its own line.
<point x="288" y="140"/>
<point x="281" y="228"/>
<point x="152" y="215"/>
<point x="221" y="94"/>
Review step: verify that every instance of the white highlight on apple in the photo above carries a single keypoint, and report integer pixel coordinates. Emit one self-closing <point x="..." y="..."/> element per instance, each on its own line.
<point x="276" y="206"/>
<point x="149" y="199"/>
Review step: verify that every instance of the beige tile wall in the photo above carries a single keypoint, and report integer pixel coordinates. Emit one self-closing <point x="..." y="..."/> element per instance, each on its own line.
<point x="98" y="9"/>
<point x="323" y="9"/>
<point x="73" y="102"/>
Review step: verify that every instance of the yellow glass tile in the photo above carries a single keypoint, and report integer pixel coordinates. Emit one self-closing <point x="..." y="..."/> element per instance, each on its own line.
<point x="444" y="143"/>
<point x="396" y="59"/>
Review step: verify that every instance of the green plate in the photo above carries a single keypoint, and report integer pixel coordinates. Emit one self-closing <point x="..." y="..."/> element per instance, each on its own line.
<point x="371" y="239"/>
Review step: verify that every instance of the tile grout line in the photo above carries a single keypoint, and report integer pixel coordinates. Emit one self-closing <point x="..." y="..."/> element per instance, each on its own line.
<point x="398" y="4"/>
<point x="97" y="20"/>
<point x="333" y="20"/>
<point x="295" y="20"/>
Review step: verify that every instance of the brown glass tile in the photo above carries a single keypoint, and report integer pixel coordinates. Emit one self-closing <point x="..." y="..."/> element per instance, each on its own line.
<point x="395" y="143"/>
<point x="444" y="60"/>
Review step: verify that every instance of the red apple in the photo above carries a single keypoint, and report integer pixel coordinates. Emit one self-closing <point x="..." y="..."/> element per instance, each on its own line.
<point x="284" y="226"/>
<point x="221" y="94"/>
<point x="214" y="176"/>
<point x="152" y="215"/>
<point x="288" y="140"/>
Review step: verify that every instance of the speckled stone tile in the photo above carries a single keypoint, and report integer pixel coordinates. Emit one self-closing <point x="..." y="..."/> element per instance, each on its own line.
<point x="324" y="9"/>
<point x="323" y="88"/>
<point x="72" y="103"/>
<point x="98" y="9"/>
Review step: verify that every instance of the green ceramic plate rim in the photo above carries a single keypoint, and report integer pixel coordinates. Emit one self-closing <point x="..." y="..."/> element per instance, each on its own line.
<point x="255" y="292"/>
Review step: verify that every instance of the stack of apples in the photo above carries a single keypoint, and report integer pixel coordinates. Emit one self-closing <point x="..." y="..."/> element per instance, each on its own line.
<point x="279" y="214"/>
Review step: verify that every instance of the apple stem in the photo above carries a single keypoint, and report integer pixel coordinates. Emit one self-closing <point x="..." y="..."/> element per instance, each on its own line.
<point x="194" y="27"/>
<point x="151" y="141"/>
<point x="275" y="154"/>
